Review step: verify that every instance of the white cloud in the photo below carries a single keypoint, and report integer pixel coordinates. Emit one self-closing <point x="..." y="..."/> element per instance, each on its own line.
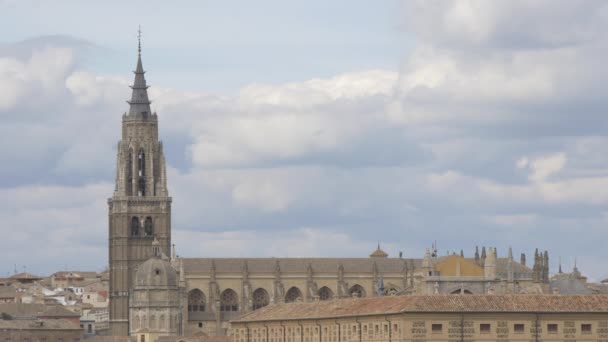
<point x="38" y="78"/>
<point x="300" y="242"/>
<point x="265" y="195"/>
<point x="544" y="167"/>
<point x="516" y="23"/>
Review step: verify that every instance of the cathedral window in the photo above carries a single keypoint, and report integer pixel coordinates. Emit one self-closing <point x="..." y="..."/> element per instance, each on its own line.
<point x="356" y="291"/>
<point x="148" y="227"/>
<point x="141" y="160"/>
<point x="130" y="173"/>
<point x="229" y="301"/>
<point x="325" y="293"/>
<point x="196" y="301"/>
<point x="142" y="187"/>
<point x="135" y="226"/>
<point x="293" y="295"/>
<point x="260" y="298"/>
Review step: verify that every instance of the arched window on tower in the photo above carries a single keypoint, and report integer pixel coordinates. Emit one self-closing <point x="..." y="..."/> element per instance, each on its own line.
<point x="141" y="160"/>
<point x="260" y="298"/>
<point x="229" y="301"/>
<point x="196" y="301"/>
<point x="135" y="226"/>
<point x="148" y="227"/>
<point x="130" y="173"/>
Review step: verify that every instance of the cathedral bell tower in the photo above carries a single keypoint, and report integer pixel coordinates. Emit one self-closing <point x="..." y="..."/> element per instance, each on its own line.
<point x="140" y="209"/>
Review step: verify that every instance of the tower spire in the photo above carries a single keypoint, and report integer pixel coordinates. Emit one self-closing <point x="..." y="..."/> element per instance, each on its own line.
<point x="139" y="104"/>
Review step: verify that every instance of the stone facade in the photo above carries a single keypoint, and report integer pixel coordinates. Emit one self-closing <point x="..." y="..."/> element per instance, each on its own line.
<point x="156" y="299"/>
<point x="224" y="288"/>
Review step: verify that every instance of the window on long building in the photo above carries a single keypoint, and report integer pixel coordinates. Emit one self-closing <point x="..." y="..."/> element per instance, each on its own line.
<point x="485" y="328"/>
<point x="552" y="328"/>
<point x="586" y="328"/>
<point x="436" y="328"/>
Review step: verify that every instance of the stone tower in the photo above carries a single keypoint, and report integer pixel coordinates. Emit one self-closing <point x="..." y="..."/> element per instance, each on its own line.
<point x="140" y="209"/>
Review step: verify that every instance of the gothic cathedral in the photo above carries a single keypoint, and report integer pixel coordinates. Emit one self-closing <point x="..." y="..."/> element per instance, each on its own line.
<point x="140" y="209"/>
<point x="192" y="296"/>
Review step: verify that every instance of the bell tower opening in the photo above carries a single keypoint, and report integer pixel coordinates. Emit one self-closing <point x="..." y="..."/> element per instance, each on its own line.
<point x="141" y="159"/>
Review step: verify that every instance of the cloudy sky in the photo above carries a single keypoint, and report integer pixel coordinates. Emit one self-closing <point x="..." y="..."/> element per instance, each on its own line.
<point x="304" y="128"/>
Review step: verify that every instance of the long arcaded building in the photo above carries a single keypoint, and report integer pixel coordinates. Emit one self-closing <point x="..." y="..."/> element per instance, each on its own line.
<point x="430" y="318"/>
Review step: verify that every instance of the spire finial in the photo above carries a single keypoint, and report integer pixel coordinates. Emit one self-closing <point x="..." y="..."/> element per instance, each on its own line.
<point x="139" y="40"/>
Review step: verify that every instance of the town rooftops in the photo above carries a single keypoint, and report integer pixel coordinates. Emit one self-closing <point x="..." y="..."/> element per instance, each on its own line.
<point x="31" y="311"/>
<point x="7" y="292"/>
<point x="520" y="303"/>
<point x="57" y="311"/>
<point x="26" y="276"/>
<point x="40" y="324"/>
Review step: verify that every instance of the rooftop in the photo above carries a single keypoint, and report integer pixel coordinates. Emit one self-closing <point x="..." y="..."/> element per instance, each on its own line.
<point x="319" y="265"/>
<point x="40" y="324"/>
<point x="430" y="303"/>
<point x="26" y="276"/>
<point x="30" y="311"/>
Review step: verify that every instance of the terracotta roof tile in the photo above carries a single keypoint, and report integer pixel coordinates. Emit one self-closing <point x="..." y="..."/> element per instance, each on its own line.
<point x="39" y="324"/>
<point x="430" y="303"/>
